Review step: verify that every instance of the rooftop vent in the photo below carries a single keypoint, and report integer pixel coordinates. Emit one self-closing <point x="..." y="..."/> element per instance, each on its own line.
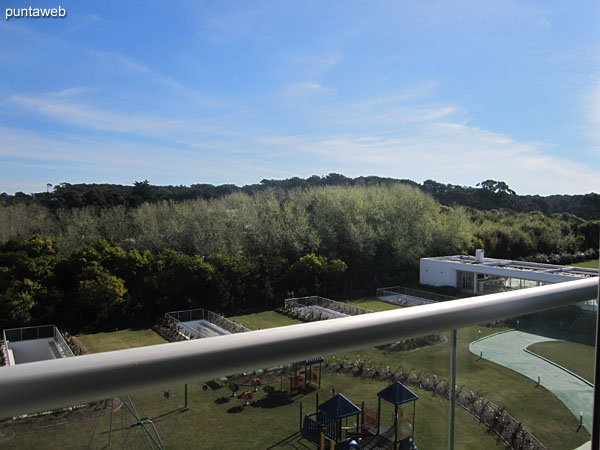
<point x="479" y="255"/>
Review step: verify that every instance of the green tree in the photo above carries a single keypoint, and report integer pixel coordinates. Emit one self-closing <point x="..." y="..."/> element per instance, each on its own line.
<point x="236" y="283"/>
<point x="101" y="294"/>
<point x="27" y="285"/>
<point x="312" y="274"/>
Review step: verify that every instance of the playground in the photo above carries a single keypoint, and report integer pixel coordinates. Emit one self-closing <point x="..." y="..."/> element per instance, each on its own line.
<point x="216" y="420"/>
<point x="339" y="423"/>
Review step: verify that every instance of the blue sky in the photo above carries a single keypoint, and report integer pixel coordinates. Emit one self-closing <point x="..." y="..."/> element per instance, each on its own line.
<point x="186" y="92"/>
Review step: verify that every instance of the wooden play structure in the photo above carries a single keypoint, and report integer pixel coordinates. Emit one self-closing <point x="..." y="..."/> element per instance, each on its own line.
<point x="303" y="374"/>
<point x="328" y="427"/>
<point x="404" y="415"/>
<point x="340" y="424"/>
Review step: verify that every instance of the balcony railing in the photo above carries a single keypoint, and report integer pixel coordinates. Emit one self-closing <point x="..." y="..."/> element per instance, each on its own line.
<point x="47" y="385"/>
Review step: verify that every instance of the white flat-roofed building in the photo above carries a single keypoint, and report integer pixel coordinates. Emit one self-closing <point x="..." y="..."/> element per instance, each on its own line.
<point x="481" y="275"/>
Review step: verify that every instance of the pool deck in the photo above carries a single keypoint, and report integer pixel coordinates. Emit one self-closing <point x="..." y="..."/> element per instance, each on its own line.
<point x="205" y="329"/>
<point x="34" y="350"/>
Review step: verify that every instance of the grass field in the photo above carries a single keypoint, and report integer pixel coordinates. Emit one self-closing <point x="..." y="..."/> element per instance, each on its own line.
<point x="578" y="358"/>
<point x="215" y="420"/>
<point x="373" y="304"/>
<point x="266" y="319"/>
<point x="592" y="264"/>
<point x="539" y="410"/>
<point x="119" y="340"/>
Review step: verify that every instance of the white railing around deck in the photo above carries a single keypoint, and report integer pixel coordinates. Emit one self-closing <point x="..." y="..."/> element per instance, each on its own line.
<point x="46" y="385"/>
<point x="302" y="303"/>
<point x="177" y="319"/>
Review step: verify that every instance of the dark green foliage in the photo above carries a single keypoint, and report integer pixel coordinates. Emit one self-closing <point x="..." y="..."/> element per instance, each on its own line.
<point x="236" y="281"/>
<point x="103" y="285"/>
<point x="491" y="194"/>
<point x="27" y="286"/>
<point x="496" y="187"/>
<point x="524" y="235"/>
<point x="113" y="264"/>
<point x="316" y="275"/>
<point x="589" y="233"/>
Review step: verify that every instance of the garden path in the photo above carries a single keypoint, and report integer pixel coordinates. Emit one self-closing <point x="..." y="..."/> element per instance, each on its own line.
<point x="508" y="349"/>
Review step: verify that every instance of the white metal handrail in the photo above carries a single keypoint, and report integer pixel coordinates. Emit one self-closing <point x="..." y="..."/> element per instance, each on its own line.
<point x="46" y="385"/>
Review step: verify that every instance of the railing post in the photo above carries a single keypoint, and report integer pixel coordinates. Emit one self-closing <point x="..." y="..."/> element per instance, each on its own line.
<point x="452" y="393"/>
<point x="596" y="417"/>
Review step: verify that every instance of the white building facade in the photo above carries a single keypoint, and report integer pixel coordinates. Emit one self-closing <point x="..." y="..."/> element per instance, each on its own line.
<point x="481" y="275"/>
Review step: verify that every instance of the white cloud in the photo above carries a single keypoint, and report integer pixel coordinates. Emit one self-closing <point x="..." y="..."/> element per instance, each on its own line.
<point x="452" y="153"/>
<point x="71" y="113"/>
<point x="424" y="90"/>
<point x="61" y="159"/>
<point x="446" y="152"/>
<point x="70" y="92"/>
<point x="308" y="87"/>
<point x="395" y="135"/>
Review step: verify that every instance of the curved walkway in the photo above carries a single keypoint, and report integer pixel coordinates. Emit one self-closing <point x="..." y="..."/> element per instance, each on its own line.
<point x="507" y="349"/>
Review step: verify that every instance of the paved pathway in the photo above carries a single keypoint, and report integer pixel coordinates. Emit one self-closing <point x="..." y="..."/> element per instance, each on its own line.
<point x="507" y="349"/>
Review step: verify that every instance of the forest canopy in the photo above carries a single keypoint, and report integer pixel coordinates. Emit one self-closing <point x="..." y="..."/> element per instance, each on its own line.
<point x="487" y="194"/>
<point x="96" y="264"/>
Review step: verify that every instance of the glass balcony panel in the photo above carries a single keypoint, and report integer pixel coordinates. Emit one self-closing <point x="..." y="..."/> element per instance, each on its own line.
<point x="498" y="365"/>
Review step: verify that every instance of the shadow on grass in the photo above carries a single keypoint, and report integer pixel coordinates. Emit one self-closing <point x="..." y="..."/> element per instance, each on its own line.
<point x="272" y="401"/>
<point x="235" y="410"/>
<point x="222" y="400"/>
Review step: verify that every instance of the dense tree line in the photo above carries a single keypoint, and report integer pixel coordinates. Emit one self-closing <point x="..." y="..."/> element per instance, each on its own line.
<point x="241" y="252"/>
<point x="234" y="253"/>
<point x="394" y="224"/>
<point x="489" y="194"/>
<point x="492" y="194"/>
<point x="560" y="238"/>
<point x="104" y="285"/>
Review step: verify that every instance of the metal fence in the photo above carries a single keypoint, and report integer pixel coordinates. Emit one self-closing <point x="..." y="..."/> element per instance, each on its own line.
<point x="410" y="297"/>
<point x="63" y="347"/>
<point x="323" y="308"/>
<point x="177" y="319"/>
<point x="4" y="350"/>
<point x="29" y="333"/>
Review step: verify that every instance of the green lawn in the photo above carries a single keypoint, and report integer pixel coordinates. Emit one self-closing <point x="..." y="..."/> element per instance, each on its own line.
<point x="266" y="319"/>
<point x="217" y="421"/>
<point x="119" y="340"/>
<point x="592" y="264"/>
<point x="539" y="410"/>
<point x="578" y="358"/>
<point x="373" y="304"/>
